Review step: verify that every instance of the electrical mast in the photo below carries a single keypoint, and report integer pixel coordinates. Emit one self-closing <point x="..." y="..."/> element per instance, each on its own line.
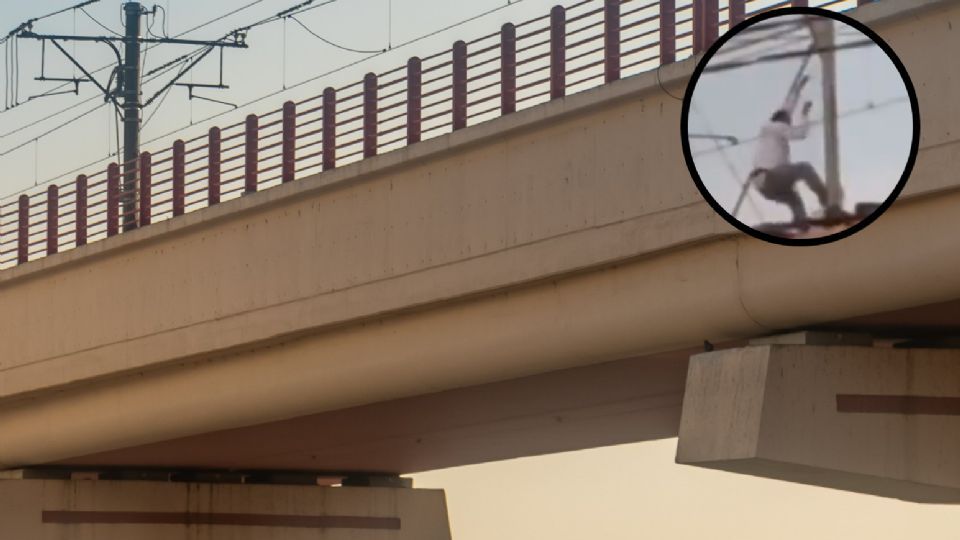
<point x="127" y="84"/>
<point x="822" y="30"/>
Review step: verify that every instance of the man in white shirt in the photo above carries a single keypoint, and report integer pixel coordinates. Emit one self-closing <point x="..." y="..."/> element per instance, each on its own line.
<point x="774" y="175"/>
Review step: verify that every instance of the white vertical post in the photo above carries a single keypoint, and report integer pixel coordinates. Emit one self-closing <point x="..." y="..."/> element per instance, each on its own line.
<point x="822" y="30"/>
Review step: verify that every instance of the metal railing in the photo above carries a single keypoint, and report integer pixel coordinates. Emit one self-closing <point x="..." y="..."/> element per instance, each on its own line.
<point x="573" y="48"/>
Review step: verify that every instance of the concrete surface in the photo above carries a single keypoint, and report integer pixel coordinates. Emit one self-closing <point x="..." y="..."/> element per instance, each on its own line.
<point x="121" y="510"/>
<point x="873" y="420"/>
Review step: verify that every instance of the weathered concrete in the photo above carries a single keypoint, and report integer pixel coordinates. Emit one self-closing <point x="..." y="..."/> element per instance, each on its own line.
<point x="881" y="421"/>
<point x="121" y="510"/>
<point x="563" y="236"/>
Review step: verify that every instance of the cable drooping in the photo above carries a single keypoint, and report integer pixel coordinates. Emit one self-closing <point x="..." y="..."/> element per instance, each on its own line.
<point x="332" y="44"/>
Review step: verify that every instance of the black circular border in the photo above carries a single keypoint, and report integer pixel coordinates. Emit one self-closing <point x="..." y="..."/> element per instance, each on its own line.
<point x="688" y="157"/>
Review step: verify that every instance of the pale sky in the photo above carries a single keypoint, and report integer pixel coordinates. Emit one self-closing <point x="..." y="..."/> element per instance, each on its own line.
<point x="874" y="144"/>
<point x="624" y="492"/>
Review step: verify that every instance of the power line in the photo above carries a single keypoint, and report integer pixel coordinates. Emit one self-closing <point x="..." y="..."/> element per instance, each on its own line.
<point x="342" y="67"/>
<point x="328" y="42"/>
<point x="781" y="56"/>
<point x="45" y="133"/>
<point x="301" y="83"/>
<point x="851" y="112"/>
<point x="100" y="69"/>
<point x="98" y="23"/>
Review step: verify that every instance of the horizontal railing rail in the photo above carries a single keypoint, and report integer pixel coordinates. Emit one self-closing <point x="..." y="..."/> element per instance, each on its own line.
<point x="571" y="49"/>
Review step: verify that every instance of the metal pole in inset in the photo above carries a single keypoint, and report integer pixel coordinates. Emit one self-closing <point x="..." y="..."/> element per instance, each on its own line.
<point x="823" y="39"/>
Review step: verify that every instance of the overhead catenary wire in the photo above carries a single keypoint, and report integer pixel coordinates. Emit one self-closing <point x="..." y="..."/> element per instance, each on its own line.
<point x="723" y="66"/>
<point x="100" y="69"/>
<point x="734" y="174"/>
<point x="869" y="106"/>
<point x="98" y="23"/>
<point x="157" y="72"/>
<point x="297" y="85"/>
<point x="343" y="66"/>
<point x="332" y="44"/>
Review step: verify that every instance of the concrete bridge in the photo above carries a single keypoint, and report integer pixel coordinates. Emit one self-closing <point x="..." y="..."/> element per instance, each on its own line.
<point x="530" y="283"/>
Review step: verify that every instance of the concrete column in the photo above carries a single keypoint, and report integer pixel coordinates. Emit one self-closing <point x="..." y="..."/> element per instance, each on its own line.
<point x="48" y="509"/>
<point x="866" y="419"/>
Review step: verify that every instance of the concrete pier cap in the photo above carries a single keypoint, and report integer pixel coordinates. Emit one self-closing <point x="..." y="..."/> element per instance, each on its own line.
<point x="845" y="415"/>
<point x="74" y="508"/>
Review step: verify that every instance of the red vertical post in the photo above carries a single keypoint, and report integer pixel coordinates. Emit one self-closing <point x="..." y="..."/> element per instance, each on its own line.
<point x="706" y="24"/>
<point x="23" y="229"/>
<point x="213" y="166"/>
<point x="329" y="128"/>
<point x="737" y="12"/>
<point x="369" y="115"/>
<point x="179" y="174"/>
<point x="81" y="210"/>
<point x="289" y="141"/>
<point x="558" y="52"/>
<point x="459" y="84"/>
<point x="145" y="185"/>
<point x="113" y="198"/>
<point x="251" y="149"/>
<point x="800" y="3"/>
<point x="508" y="68"/>
<point x="414" y="99"/>
<point x="611" y="40"/>
<point x="668" y="31"/>
<point x="53" y="219"/>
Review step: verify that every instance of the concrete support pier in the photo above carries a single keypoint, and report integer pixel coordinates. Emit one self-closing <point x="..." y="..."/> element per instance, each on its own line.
<point x="883" y="421"/>
<point x="45" y="509"/>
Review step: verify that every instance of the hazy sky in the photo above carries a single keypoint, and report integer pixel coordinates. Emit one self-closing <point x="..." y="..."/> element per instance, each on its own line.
<point x="625" y="492"/>
<point x="874" y="144"/>
<point x="279" y="55"/>
<point x="635" y="491"/>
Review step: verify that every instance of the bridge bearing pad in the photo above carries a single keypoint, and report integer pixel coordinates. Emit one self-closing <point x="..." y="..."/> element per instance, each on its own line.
<point x="872" y="420"/>
<point x="56" y="509"/>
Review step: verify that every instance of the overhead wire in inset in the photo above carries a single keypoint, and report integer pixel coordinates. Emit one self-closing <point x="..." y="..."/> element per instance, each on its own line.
<point x="781" y="56"/>
<point x="850" y="112"/>
<point x="726" y="160"/>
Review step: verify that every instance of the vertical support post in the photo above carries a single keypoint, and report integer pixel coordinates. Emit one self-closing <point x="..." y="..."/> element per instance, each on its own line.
<point x="823" y="39"/>
<point x="145" y="184"/>
<point x="668" y="32"/>
<point x="459" y="84"/>
<point x="213" y="166"/>
<point x="706" y="24"/>
<point x="369" y="115"/>
<point x="133" y="12"/>
<point x="508" y="68"/>
<point x="414" y="100"/>
<point x="53" y="219"/>
<point x="611" y="40"/>
<point x="251" y="149"/>
<point x="113" y="198"/>
<point x="81" y="210"/>
<point x="23" y="229"/>
<point x="329" y="128"/>
<point x="558" y="52"/>
<point x="738" y="12"/>
<point x="800" y="3"/>
<point x="179" y="174"/>
<point x="289" y="141"/>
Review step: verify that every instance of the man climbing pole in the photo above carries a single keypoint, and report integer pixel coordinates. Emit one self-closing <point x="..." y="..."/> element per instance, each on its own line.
<point x="774" y="175"/>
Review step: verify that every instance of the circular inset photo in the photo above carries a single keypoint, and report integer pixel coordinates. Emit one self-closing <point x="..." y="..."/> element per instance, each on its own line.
<point x="800" y="126"/>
